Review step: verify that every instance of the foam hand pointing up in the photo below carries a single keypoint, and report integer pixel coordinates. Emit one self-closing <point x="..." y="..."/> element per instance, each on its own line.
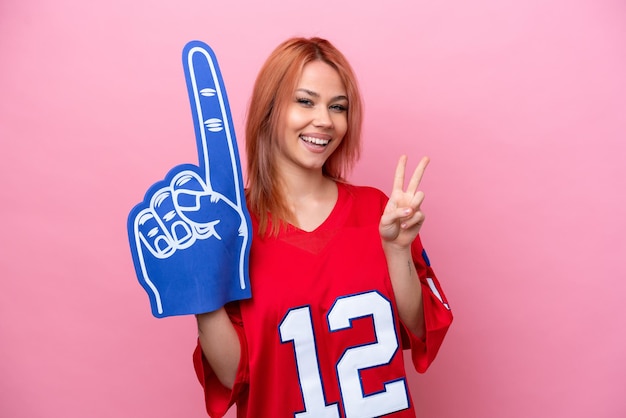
<point x="190" y="237"/>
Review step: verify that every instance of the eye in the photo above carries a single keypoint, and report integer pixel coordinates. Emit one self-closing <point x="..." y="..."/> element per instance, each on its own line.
<point x="304" y="101"/>
<point x="339" y="108"/>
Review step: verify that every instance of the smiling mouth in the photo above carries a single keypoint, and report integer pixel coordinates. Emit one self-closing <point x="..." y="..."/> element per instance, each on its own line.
<point x="315" y="141"/>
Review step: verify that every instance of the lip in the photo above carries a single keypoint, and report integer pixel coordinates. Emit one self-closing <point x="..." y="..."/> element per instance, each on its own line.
<point x="311" y="144"/>
<point x="317" y="135"/>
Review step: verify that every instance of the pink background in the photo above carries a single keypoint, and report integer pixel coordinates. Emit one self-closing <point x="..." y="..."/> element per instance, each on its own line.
<point x="520" y="104"/>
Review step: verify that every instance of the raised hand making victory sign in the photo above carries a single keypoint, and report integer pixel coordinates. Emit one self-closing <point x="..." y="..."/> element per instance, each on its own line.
<point x="190" y="237"/>
<point x="402" y="219"/>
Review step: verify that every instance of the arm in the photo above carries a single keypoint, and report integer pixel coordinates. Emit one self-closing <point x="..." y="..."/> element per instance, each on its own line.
<point x="406" y="288"/>
<point x="220" y="345"/>
<point x="422" y="306"/>
<point x="400" y="224"/>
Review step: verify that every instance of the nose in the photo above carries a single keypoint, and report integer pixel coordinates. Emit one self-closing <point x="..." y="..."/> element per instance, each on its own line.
<point x="322" y="118"/>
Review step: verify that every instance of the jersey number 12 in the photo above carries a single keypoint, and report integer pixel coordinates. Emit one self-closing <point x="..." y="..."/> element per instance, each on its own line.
<point x="297" y="327"/>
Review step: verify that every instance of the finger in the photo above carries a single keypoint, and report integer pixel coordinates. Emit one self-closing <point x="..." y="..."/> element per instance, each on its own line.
<point x="417" y="219"/>
<point x="149" y="233"/>
<point x="416" y="178"/>
<point x="167" y="217"/>
<point x="187" y="190"/>
<point x="398" y="178"/>
<point x="417" y="200"/>
<point x="404" y="213"/>
<point x="215" y="134"/>
<point x="195" y="203"/>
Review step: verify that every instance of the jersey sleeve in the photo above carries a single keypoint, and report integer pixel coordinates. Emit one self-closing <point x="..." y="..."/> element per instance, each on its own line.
<point x="218" y="398"/>
<point x="437" y="313"/>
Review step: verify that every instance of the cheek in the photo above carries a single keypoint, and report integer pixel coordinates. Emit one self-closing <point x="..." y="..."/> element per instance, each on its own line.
<point x="341" y="125"/>
<point x="295" y="119"/>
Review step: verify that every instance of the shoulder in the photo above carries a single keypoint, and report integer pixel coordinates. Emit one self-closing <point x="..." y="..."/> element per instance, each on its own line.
<point x="366" y="203"/>
<point x="364" y="194"/>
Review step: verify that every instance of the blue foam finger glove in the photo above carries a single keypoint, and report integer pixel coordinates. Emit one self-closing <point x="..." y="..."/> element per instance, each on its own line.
<point x="190" y="237"/>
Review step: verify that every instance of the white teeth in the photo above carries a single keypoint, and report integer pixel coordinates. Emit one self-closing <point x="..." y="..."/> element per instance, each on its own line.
<point x="316" y="141"/>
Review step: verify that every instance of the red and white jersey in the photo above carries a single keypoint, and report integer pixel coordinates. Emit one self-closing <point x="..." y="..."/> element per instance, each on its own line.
<point x="321" y="336"/>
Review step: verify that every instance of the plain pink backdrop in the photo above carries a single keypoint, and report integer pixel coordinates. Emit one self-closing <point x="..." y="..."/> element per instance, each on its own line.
<point x="521" y="106"/>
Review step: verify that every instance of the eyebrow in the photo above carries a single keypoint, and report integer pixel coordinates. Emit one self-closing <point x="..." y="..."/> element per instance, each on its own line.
<point x="316" y="95"/>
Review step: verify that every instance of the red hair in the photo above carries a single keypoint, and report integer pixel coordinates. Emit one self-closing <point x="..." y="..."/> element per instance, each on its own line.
<point x="273" y="89"/>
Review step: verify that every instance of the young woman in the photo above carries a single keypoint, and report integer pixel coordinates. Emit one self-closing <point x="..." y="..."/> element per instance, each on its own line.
<point x="340" y="281"/>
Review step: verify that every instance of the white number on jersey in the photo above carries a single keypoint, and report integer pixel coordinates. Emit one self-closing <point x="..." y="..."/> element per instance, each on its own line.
<point x="297" y="327"/>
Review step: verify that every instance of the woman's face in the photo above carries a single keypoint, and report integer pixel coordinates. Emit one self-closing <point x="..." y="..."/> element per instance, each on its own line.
<point x="315" y="120"/>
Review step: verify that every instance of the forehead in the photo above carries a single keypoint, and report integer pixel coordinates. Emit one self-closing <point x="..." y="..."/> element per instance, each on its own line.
<point x="321" y="78"/>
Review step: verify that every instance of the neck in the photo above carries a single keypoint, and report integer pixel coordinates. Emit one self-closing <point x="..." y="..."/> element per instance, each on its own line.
<point x="300" y="185"/>
<point x="310" y="197"/>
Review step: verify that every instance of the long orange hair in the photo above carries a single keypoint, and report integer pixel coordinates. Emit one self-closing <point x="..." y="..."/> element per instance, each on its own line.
<point x="273" y="89"/>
